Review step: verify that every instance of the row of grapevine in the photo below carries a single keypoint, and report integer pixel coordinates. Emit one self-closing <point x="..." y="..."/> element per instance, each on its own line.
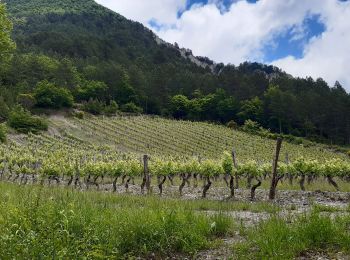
<point x="77" y="166"/>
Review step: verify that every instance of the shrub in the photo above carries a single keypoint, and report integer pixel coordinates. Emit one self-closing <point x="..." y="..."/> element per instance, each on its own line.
<point x="348" y="153"/>
<point x="251" y="126"/>
<point x="94" y="107"/>
<point x="131" y="108"/>
<point x="49" y="96"/>
<point x="232" y="124"/>
<point x="22" y="121"/>
<point x="112" y="108"/>
<point x="26" y="100"/>
<point x="4" y="109"/>
<point x="78" y="114"/>
<point x="2" y="134"/>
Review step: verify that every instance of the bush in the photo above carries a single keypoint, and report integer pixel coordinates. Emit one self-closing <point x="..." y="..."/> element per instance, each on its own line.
<point x="48" y="95"/>
<point x="251" y="126"/>
<point x="26" y="100"/>
<point x="94" y="107"/>
<point x="348" y="153"/>
<point x="4" y="109"/>
<point x="131" y="108"/>
<point x="232" y="124"/>
<point x="78" y="114"/>
<point x="2" y="134"/>
<point x="112" y="108"/>
<point x="22" y="121"/>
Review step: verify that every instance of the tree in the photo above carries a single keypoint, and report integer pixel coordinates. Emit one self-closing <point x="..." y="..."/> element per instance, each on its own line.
<point x="6" y="44"/>
<point x="179" y="106"/>
<point x="227" y="109"/>
<point x="67" y="74"/>
<point x="4" y="109"/>
<point x="126" y="93"/>
<point x="251" y="109"/>
<point x="49" y="96"/>
<point x="91" y="89"/>
<point x="279" y="105"/>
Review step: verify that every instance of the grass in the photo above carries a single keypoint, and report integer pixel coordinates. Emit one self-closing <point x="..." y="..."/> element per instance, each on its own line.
<point x="39" y="222"/>
<point x="278" y="238"/>
<point x="325" y="208"/>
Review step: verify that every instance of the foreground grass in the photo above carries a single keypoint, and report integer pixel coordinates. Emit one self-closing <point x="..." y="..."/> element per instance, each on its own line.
<point x="277" y="238"/>
<point x="39" y="222"/>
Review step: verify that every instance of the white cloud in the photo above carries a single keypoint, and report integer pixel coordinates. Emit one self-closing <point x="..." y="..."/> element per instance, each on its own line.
<point x="242" y="31"/>
<point x="239" y="34"/>
<point x="326" y="56"/>
<point x="164" y="11"/>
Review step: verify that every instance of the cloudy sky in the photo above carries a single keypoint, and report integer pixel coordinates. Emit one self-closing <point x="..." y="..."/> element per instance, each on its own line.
<point x="303" y="37"/>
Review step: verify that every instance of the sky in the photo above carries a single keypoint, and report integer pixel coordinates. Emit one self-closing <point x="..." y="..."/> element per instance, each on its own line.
<point x="303" y="37"/>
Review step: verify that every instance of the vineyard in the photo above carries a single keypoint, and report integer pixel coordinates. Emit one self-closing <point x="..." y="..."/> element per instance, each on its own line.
<point x="43" y="211"/>
<point x="117" y="151"/>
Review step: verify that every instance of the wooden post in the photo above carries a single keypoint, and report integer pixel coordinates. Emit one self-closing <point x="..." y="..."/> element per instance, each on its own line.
<point x="236" y="166"/>
<point x="146" y="173"/>
<point x="275" y="178"/>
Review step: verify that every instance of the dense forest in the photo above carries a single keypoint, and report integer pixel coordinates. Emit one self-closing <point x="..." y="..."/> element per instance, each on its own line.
<point x="76" y="51"/>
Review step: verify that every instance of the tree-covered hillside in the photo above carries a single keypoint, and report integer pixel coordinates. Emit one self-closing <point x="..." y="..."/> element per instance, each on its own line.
<point x="100" y="56"/>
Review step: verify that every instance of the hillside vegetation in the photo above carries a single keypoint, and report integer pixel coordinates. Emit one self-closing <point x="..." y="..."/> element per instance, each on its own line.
<point x="96" y="54"/>
<point x="159" y="136"/>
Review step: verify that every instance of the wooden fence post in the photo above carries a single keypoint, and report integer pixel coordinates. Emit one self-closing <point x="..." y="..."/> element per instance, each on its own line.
<point x="146" y="177"/>
<point x="275" y="178"/>
<point x="236" y="166"/>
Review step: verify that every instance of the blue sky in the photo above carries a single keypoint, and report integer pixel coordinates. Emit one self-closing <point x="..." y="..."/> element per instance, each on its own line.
<point x="284" y="43"/>
<point x="302" y="37"/>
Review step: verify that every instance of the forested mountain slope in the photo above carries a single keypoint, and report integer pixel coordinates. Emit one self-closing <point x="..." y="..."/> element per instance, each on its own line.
<point x="96" y="53"/>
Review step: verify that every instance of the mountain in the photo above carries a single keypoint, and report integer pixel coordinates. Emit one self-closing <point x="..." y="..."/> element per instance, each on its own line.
<point x="74" y="42"/>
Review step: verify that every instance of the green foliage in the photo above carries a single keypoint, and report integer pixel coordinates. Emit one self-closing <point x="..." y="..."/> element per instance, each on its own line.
<point x="45" y="222"/>
<point x="97" y="107"/>
<point x="278" y="239"/>
<point x="232" y="124"/>
<point x="251" y="127"/>
<point x="78" y="114"/>
<point x="101" y="46"/>
<point x="94" y="106"/>
<point x="47" y="95"/>
<point x="111" y="109"/>
<point x="27" y="101"/>
<point x="179" y="106"/>
<point x="6" y="43"/>
<point x="22" y="121"/>
<point x="227" y="163"/>
<point x="91" y="90"/>
<point x="4" y="109"/>
<point x="131" y="108"/>
<point x="2" y="133"/>
<point x="251" y="109"/>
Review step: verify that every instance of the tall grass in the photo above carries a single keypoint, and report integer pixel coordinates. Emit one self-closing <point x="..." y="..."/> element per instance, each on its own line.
<point x="38" y="222"/>
<point x="276" y="238"/>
